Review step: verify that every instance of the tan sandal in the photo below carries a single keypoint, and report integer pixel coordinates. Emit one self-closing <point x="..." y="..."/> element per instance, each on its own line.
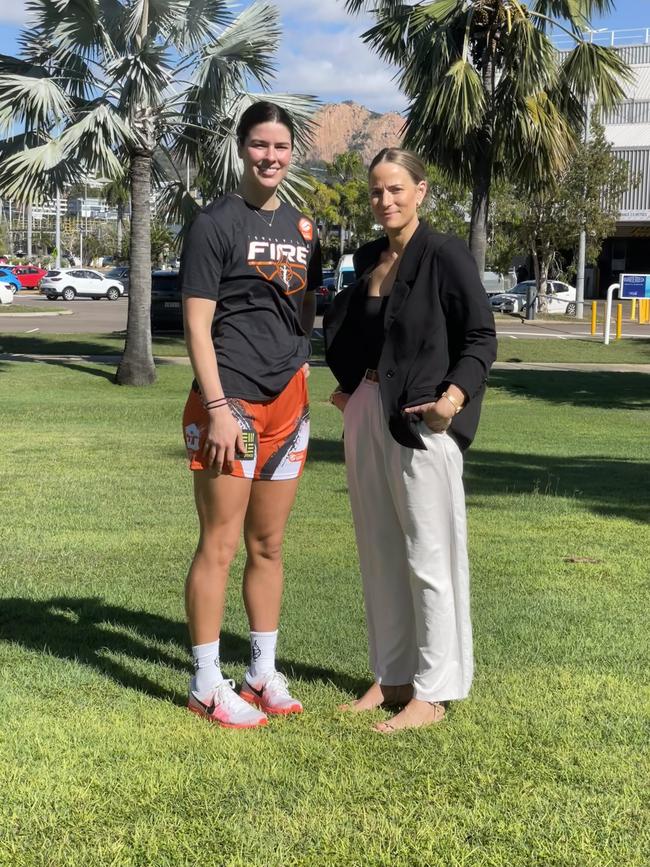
<point x="389" y="727"/>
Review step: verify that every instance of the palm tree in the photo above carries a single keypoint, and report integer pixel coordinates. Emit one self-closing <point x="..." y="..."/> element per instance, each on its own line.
<point x="348" y="170"/>
<point x="490" y="97"/>
<point x="106" y="84"/>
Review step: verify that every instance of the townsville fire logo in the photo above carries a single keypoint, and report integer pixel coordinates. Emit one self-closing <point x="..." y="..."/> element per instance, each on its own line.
<point x="280" y="263"/>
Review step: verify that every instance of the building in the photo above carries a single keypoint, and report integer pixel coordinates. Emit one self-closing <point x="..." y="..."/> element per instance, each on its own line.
<point x="627" y="127"/>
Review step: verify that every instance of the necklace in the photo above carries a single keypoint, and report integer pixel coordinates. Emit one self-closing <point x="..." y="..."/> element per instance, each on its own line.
<point x="266" y="222"/>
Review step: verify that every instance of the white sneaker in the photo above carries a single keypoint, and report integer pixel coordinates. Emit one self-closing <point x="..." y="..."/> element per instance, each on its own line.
<point x="271" y="694"/>
<point x="226" y="708"/>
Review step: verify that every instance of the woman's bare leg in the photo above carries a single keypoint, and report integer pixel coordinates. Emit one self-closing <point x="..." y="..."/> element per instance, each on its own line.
<point x="221" y="503"/>
<point x="266" y="518"/>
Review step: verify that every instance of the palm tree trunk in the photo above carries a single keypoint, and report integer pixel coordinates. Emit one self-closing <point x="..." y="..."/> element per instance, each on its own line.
<point x="137" y="365"/>
<point x="120" y="230"/>
<point x="482" y="176"/>
<point x="542" y="284"/>
<point x="478" y="227"/>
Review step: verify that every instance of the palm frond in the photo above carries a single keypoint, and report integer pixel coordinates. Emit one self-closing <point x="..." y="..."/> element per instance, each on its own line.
<point x="97" y="137"/>
<point x="200" y="23"/>
<point x="578" y="13"/>
<point x="243" y="49"/>
<point x="457" y="105"/>
<point x="529" y="57"/>
<point x="31" y="100"/>
<point x="37" y="173"/>
<point x="545" y="143"/>
<point x="356" y="6"/>
<point x="175" y="204"/>
<point x="141" y="78"/>
<point x="391" y="36"/>
<point x="596" y="72"/>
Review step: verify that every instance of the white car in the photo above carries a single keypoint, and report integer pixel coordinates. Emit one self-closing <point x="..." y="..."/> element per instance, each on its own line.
<point x="6" y="293"/>
<point x="560" y="298"/>
<point x="69" y="283"/>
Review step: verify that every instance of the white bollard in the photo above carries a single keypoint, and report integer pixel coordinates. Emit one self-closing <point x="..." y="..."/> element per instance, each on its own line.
<point x="608" y="311"/>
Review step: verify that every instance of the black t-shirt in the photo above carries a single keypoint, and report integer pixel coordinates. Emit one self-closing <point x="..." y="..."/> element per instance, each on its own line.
<point x="257" y="265"/>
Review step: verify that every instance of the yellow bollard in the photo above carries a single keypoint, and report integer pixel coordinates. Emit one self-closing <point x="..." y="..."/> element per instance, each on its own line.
<point x="633" y="310"/>
<point x="619" y="321"/>
<point x="594" y="314"/>
<point x="643" y="311"/>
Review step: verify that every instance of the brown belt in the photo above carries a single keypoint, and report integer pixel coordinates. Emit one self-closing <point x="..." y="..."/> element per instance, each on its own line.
<point x="371" y="375"/>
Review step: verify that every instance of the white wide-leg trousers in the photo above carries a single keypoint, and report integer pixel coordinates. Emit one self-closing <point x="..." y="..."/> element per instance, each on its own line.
<point x="408" y="507"/>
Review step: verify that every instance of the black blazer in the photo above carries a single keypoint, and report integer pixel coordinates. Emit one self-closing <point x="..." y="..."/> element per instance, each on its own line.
<point x="439" y="329"/>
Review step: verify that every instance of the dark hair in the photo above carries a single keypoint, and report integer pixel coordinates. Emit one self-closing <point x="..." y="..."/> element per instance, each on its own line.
<point x="401" y="157"/>
<point x="263" y="112"/>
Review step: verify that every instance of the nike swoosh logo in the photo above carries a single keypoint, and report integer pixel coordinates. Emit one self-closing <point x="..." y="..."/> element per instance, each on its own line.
<point x="209" y="709"/>
<point x="258" y="692"/>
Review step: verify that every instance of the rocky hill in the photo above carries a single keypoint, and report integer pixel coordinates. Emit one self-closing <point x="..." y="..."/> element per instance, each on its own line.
<point x="347" y="126"/>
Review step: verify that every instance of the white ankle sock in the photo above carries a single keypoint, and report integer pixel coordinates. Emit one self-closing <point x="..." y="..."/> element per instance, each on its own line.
<point x="262" y="653"/>
<point x="207" y="671"/>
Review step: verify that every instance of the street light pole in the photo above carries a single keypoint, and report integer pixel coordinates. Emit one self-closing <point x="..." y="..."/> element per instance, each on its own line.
<point x="582" y="241"/>
<point x="580" y="277"/>
<point x="57" y="229"/>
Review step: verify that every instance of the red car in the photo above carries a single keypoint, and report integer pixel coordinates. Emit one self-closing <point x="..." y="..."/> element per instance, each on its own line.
<point x="29" y="276"/>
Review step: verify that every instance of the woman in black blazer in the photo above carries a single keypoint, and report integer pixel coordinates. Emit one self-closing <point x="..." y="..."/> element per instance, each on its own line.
<point x="411" y="343"/>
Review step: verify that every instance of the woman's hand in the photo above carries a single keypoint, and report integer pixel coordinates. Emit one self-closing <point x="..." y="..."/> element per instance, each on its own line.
<point x="305" y="369"/>
<point x="437" y="416"/>
<point x="224" y="438"/>
<point x="339" y="399"/>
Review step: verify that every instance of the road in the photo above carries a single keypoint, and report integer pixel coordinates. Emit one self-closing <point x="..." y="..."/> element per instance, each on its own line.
<point x="104" y="317"/>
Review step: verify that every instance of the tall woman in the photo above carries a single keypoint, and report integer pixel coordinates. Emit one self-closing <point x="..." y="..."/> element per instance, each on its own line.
<point x="411" y="344"/>
<point x="249" y="266"/>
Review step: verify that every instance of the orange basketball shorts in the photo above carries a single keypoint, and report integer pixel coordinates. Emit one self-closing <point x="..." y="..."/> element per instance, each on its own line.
<point x="275" y="432"/>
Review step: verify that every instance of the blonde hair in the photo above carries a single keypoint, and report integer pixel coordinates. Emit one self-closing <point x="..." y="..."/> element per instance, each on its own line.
<point x="401" y="157"/>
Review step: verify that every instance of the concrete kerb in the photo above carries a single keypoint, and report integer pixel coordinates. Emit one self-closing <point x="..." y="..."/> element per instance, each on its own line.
<point x="36" y="315"/>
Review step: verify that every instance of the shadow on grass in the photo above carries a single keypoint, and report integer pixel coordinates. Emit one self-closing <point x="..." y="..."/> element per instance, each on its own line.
<point x="34" y="344"/>
<point x="603" y="389"/>
<point x="604" y="485"/>
<point x="325" y="451"/>
<point x="90" y="631"/>
<point x="108" y="374"/>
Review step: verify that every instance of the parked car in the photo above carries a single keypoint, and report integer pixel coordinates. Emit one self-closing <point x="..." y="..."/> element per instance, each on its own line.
<point x="166" y="306"/>
<point x="6" y="294"/>
<point x="7" y="276"/>
<point x="29" y="276"/>
<point x="344" y="274"/>
<point x="121" y="274"/>
<point x="560" y="298"/>
<point x="496" y="283"/>
<point x="69" y="283"/>
<point x="324" y="294"/>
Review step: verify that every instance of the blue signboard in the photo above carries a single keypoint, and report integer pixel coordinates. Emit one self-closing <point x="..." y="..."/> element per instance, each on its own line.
<point x="634" y="286"/>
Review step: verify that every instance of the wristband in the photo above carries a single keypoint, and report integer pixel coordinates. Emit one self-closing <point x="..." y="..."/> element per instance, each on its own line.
<point x="453" y="401"/>
<point x="215" y="404"/>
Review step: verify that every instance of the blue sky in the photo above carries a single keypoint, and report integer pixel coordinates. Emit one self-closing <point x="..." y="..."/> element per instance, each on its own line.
<point x="322" y="54"/>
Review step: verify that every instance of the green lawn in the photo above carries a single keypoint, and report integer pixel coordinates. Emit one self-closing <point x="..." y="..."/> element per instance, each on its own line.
<point x="24" y="308"/>
<point x="545" y="764"/>
<point x="627" y="351"/>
